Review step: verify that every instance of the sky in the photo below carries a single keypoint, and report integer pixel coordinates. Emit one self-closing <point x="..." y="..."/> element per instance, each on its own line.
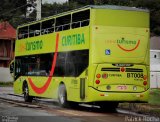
<point x="51" y="1"/>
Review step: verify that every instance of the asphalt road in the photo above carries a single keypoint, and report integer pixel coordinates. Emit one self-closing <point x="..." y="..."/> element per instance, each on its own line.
<point x="14" y="113"/>
<point x="49" y="111"/>
<point x="14" y="109"/>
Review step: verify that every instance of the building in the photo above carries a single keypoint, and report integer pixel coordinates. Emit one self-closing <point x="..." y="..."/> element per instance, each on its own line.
<point x="155" y="62"/>
<point x="7" y="41"/>
<point x="155" y="43"/>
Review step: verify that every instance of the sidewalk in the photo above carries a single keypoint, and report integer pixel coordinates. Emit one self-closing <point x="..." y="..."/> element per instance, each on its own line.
<point x="6" y="90"/>
<point x="5" y="75"/>
<point x="151" y="108"/>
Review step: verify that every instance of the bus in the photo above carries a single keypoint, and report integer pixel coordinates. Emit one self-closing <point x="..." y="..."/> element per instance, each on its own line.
<point x="94" y="54"/>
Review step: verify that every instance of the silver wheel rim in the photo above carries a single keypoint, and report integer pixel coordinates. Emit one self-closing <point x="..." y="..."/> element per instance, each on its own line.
<point x="61" y="97"/>
<point x="26" y="91"/>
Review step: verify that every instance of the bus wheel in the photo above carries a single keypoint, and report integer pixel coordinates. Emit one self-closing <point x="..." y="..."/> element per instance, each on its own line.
<point x="62" y="96"/>
<point x="27" y="98"/>
<point x="108" y="106"/>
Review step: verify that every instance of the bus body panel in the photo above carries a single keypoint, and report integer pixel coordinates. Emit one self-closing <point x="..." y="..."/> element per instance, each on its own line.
<point x="117" y="96"/>
<point x="120" y="18"/>
<point x="123" y="79"/>
<point x="119" y="44"/>
<point x="68" y="41"/>
<point x="119" y="41"/>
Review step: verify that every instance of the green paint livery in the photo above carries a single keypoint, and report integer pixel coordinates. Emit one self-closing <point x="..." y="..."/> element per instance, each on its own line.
<point x="71" y="40"/>
<point x="125" y="42"/>
<point x="35" y="45"/>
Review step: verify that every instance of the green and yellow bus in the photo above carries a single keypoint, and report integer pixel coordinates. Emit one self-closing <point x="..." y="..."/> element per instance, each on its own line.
<point x="94" y="54"/>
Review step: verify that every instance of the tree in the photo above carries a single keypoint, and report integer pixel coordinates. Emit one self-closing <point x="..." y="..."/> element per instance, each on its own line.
<point x="14" y="11"/>
<point x="152" y="5"/>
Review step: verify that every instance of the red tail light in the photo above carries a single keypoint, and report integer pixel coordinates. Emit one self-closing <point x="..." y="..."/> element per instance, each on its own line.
<point x="145" y="77"/>
<point x="145" y="83"/>
<point x="98" y="75"/>
<point x="97" y="81"/>
<point x="123" y="69"/>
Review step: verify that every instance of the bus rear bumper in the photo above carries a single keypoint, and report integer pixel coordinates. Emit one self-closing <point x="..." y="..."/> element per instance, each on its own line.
<point x="96" y="96"/>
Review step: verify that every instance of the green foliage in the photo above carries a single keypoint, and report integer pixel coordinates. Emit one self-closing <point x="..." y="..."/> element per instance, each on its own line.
<point x="55" y="8"/>
<point x="154" y="97"/>
<point x="11" y="12"/>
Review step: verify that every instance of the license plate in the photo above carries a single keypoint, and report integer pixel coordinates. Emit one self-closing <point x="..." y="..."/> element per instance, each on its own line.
<point x="122" y="87"/>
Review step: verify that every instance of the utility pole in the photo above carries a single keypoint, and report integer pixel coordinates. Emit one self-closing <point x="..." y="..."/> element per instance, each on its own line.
<point x="34" y="5"/>
<point x="38" y="9"/>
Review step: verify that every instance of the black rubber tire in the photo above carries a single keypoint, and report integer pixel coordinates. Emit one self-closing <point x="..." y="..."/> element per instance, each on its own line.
<point x="108" y="106"/>
<point x="27" y="97"/>
<point x="62" y="96"/>
<point x="74" y="105"/>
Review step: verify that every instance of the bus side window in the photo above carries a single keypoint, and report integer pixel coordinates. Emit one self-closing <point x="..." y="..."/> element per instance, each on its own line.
<point x="34" y="30"/>
<point x="17" y="68"/>
<point x="80" y="19"/>
<point x="48" y="26"/>
<point x="63" y="23"/>
<point x="23" y="32"/>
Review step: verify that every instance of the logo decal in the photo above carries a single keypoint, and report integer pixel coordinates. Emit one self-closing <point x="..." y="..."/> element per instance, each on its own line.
<point x="45" y="86"/>
<point x="123" y="44"/>
<point x="75" y="39"/>
<point x="22" y="47"/>
<point x="108" y="52"/>
<point x="35" y="45"/>
<point x="128" y="50"/>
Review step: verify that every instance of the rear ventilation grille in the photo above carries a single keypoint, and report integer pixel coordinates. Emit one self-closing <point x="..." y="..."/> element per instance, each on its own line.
<point x="118" y="69"/>
<point x="133" y="70"/>
<point x="110" y="69"/>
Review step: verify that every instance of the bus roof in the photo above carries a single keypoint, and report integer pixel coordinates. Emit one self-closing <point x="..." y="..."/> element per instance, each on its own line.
<point x="113" y="7"/>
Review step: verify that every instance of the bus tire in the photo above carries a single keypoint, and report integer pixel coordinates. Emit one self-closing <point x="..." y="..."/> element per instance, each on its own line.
<point x="27" y="97"/>
<point x="74" y="105"/>
<point x="108" y="106"/>
<point x="62" y="96"/>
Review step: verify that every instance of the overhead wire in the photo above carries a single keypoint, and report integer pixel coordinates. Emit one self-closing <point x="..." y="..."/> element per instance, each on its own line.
<point x="13" y="9"/>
